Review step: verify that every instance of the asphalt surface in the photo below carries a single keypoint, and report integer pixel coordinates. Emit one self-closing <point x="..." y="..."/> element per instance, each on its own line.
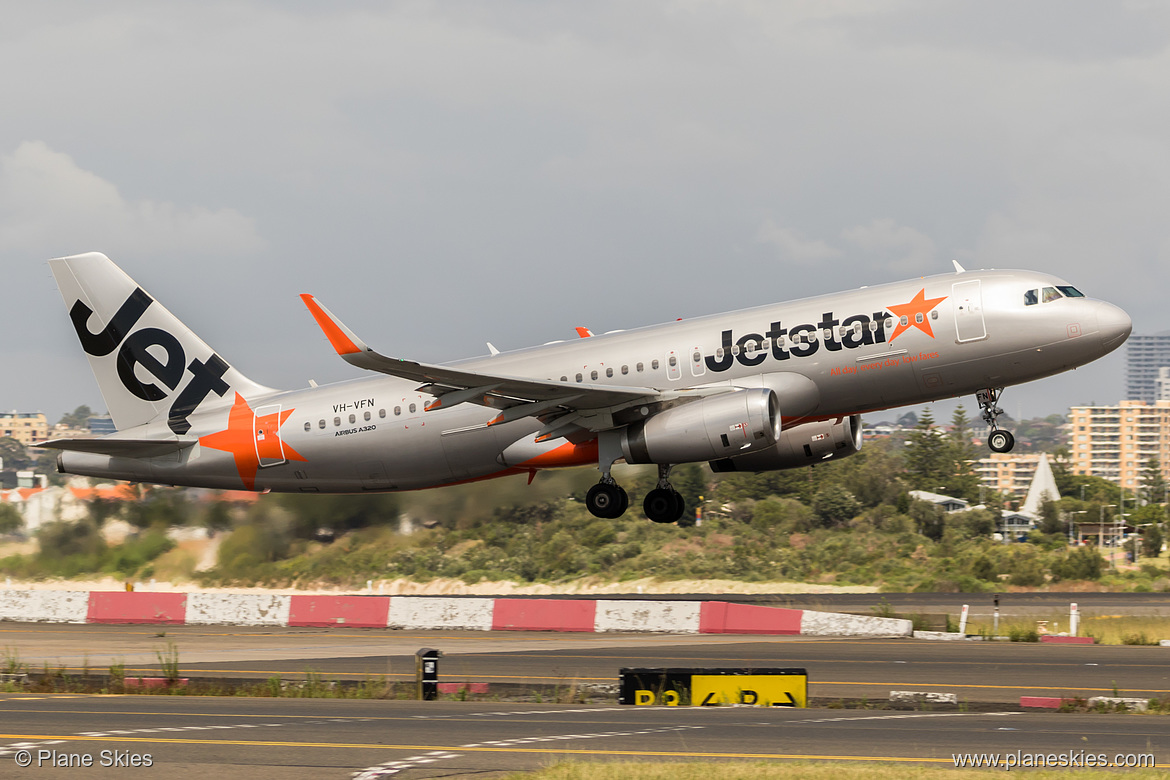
<point x="200" y="737"/>
<point x="986" y="672"/>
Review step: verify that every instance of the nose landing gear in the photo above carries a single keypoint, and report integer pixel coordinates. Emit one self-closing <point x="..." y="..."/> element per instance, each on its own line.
<point x="998" y="440"/>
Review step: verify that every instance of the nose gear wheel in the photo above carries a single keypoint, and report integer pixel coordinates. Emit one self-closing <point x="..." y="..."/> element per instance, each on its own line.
<point x="998" y="440"/>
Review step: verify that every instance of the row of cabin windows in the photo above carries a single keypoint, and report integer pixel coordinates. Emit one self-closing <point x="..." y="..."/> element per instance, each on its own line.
<point x="639" y="367"/>
<point x="367" y="416"/>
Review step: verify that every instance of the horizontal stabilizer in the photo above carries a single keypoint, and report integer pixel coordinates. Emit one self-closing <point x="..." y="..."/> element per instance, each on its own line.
<point x="120" y="448"/>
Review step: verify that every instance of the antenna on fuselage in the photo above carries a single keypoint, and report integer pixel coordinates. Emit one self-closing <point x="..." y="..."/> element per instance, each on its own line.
<point x="958" y="268"/>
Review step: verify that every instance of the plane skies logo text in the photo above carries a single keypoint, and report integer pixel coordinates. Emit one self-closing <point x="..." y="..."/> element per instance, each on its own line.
<point x="858" y="330"/>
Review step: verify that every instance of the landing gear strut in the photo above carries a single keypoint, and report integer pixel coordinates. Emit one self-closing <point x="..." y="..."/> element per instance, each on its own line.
<point x="664" y="504"/>
<point x="998" y="440"/>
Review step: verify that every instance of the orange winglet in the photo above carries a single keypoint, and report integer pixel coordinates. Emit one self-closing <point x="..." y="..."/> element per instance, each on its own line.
<point x="341" y="342"/>
<point x="584" y="332"/>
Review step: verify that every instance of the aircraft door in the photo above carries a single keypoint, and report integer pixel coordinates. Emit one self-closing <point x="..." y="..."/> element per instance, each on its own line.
<point x="968" y="298"/>
<point x="698" y="367"/>
<point x="266" y="434"/>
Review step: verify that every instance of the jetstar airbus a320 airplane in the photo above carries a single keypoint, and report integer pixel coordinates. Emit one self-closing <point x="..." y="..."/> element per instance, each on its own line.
<point x="771" y="387"/>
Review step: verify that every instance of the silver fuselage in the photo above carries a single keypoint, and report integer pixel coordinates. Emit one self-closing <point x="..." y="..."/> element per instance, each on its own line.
<point x="371" y="433"/>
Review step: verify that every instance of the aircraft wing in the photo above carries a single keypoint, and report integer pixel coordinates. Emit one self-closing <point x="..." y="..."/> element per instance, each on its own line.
<point x="517" y="396"/>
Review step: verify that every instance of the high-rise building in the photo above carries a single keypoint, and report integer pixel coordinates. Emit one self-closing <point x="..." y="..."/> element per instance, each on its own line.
<point x="1144" y="356"/>
<point x="1116" y="442"/>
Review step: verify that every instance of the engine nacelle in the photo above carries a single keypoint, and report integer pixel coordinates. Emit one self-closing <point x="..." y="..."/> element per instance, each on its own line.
<point x="804" y="445"/>
<point x="720" y="426"/>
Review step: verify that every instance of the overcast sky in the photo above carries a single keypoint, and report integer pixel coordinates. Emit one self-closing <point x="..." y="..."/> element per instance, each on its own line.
<point x="445" y="174"/>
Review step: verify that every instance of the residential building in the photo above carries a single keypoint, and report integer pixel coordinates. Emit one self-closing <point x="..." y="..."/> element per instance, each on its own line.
<point x="1006" y="472"/>
<point x="25" y="428"/>
<point x="1163" y="384"/>
<point x="949" y="504"/>
<point x="1115" y="442"/>
<point x="1144" y="355"/>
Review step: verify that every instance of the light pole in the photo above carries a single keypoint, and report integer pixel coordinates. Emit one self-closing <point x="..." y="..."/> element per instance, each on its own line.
<point x="1070" y="525"/>
<point x="1101" y="528"/>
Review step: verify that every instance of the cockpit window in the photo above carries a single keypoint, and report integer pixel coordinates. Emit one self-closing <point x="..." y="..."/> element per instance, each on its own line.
<point x="1032" y="297"/>
<point x="1070" y="292"/>
<point x="1051" y="294"/>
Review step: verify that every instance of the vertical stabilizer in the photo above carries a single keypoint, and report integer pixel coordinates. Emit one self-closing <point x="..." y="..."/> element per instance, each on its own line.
<point x="149" y="365"/>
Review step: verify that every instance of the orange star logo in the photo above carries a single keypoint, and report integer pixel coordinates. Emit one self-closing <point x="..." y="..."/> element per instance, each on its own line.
<point x="250" y="438"/>
<point x="915" y="313"/>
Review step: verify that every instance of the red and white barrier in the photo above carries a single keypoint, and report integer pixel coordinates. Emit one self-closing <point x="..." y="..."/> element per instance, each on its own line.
<point x="435" y="613"/>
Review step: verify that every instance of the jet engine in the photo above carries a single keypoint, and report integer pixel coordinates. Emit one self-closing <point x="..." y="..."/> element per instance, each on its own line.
<point x="803" y="445"/>
<point x="739" y="422"/>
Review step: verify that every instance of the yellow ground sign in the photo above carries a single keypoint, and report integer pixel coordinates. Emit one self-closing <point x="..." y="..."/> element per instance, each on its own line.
<point x="762" y="690"/>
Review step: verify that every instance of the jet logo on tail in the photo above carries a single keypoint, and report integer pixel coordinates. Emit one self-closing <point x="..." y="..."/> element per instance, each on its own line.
<point x="206" y="377"/>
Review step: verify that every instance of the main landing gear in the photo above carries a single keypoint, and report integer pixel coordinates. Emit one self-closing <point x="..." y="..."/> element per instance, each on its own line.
<point x="998" y="440"/>
<point x="609" y="501"/>
<point x="664" y="504"/>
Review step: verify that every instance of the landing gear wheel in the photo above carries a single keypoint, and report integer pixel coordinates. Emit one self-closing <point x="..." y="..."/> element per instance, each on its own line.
<point x="664" y="505"/>
<point x="1001" y="441"/>
<point x="606" y="500"/>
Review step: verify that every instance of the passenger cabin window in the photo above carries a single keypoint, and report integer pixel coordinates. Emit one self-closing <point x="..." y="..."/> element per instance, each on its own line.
<point x="564" y="379"/>
<point x="579" y="378"/>
<point x="593" y="375"/>
<point x="609" y="372"/>
<point x="673" y="360"/>
<point x="1032" y="297"/>
<point x="625" y="370"/>
<point x="654" y="365"/>
<point x="697" y="357"/>
<point x="412" y="408"/>
<point x="382" y="413"/>
<point x="308" y="427"/>
<point x="367" y="416"/>
<point x="321" y="424"/>
<point x="352" y="419"/>
<point x="640" y="368"/>
<point x="337" y="422"/>
<point x="397" y="410"/>
<point x="905" y="320"/>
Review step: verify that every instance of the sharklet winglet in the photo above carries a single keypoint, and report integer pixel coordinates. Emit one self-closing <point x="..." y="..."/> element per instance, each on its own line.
<point x="343" y="340"/>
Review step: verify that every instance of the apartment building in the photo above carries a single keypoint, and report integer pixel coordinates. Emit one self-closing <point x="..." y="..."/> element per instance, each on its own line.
<point x="1115" y="442"/>
<point x="1007" y="473"/>
<point x="25" y="428"/>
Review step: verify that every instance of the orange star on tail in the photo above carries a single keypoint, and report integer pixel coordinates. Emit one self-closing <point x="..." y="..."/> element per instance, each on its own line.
<point x="919" y="305"/>
<point x="249" y="438"/>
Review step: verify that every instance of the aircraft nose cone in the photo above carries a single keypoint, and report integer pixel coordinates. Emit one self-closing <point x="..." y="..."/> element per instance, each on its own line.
<point x="1114" y="325"/>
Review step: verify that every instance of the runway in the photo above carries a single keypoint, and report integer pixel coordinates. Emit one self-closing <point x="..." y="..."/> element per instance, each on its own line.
<point x="977" y="672"/>
<point x="328" y="738"/>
